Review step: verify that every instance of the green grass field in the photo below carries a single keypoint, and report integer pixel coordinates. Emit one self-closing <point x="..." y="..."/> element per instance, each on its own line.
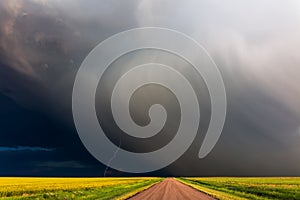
<point x="73" y="188"/>
<point x="247" y="188"/>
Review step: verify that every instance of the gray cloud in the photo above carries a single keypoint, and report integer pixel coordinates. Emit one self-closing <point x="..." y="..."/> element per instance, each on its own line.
<point x="258" y="43"/>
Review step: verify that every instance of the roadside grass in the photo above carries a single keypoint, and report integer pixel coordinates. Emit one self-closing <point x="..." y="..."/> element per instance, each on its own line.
<point x="247" y="188"/>
<point x="73" y="188"/>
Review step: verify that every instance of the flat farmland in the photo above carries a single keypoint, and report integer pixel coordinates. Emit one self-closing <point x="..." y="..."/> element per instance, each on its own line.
<point x="247" y="188"/>
<point x="230" y="188"/>
<point x="73" y="188"/>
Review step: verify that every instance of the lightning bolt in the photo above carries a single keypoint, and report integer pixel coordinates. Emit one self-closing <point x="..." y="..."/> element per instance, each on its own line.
<point x="113" y="157"/>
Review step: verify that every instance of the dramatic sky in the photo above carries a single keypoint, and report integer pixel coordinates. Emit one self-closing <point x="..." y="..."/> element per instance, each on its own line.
<point x="254" y="43"/>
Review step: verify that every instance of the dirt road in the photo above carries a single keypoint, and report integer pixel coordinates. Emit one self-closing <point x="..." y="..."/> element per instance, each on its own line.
<point x="171" y="189"/>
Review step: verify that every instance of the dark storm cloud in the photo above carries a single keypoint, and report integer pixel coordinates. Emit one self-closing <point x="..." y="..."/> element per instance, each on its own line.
<point x="62" y="164"/>
<point x="41" y="46"/>
<point x="255" y="45"/>
<point x="44" y="42"/>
